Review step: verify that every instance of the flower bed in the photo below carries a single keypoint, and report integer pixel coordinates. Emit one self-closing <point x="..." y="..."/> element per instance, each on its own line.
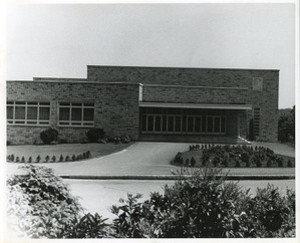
<point x="231" y="156"/>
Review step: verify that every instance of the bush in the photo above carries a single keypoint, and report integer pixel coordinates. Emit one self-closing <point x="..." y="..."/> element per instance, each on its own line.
<point x="178" y="160"/>
<point x="272" y="215"/>
<point x="193" y="162"/>
<point x="88" y="154"/>
<point x="53" y="158"/>
<point x="49" y="135"/>
<point x="129" y="221"/>
<point x="17" y="159"/>
<point x="269" y="163"/>
<point x="61" y="158"/>
<point x="29" y="160"/>
<point x="23" y="159"/>
<point x="280" y="162"/>
<point x="48" y="203"/>
<point x="47" y="158"/>
<point x="205" y="206"/>
<point x="289" y="163"/>
<point x="38" y="159"/>
<point x="67" y="158"/>
<point x="73" y="157"/>
<point x="88" y="226"/>
<point x="94" y="134"/>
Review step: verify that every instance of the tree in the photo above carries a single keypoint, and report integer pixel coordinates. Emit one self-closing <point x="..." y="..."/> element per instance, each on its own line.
<point x="286" y="125"/>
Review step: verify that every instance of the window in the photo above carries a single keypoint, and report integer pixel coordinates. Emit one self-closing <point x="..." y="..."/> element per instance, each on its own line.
<point x="256" y="121"/>
<point x="257" y="83"/>
<point x="28" y="113"/>
<point x="182" y="123"/>
<point x="76" y="114"/>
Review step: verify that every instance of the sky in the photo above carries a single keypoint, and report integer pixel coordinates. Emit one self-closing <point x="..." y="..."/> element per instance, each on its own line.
<point x="61" y="40"/>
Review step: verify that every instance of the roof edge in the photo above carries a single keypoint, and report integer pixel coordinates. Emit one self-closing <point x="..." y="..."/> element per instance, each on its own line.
<point x="168" y="67"/>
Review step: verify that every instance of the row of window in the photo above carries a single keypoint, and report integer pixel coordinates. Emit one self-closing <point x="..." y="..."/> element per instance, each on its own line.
<point x="38" y="113"/>
<point x="181" y="124"/>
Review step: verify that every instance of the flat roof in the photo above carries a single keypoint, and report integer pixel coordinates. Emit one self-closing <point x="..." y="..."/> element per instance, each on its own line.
<point x="164" y="67"/>
<point x="196" y="106"/>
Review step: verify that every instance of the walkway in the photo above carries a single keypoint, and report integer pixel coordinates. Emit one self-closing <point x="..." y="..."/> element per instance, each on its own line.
<point x="142" y="158"/>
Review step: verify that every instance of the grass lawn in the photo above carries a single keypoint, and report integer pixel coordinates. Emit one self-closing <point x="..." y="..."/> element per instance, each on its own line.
<point x="96" y="150"/>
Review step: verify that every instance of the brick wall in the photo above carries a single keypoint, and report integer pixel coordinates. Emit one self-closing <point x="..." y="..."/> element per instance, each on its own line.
<point x="116" y="107"/>
<point x="195" y="94"/>
<point x="115" y="92"/>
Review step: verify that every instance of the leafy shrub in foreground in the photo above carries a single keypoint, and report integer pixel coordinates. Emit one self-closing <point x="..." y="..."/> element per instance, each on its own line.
<point x="88" y="226"/>
<point x="205" y="206"/>
<point x="49" y="204"/>
<point x="94" y="134"/>
<point x="49" y="135"/>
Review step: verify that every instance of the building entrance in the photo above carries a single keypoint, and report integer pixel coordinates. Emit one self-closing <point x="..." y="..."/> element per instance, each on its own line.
<point x="182" y="121"/>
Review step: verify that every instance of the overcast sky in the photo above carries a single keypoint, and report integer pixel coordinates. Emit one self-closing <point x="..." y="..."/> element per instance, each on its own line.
<point x="60" y="40"/>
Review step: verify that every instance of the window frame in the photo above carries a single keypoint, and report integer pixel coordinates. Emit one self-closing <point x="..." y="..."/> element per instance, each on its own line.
<point x="183" y="130"/>
<point x="74" y="123"/>
<point x="28" y="122"/>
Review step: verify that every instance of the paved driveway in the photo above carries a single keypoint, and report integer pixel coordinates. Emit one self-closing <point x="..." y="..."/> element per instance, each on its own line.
<point x="142" y="158"/>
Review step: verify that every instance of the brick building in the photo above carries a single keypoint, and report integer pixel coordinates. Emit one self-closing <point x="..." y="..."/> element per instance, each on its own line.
<point x="154" y="103"/>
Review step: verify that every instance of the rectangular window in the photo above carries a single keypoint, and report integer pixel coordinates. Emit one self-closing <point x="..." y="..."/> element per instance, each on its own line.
<point x="177" y="123"/>
<point x="256" y="121"/>
<point x="170" y="123"/>
<point x="217" y="125"/>
<point x="150" y="123"/>
<point x="157" y="123"/>
<point x="198" y="124"/>
<point x="28" y="113"/>
<point x="76" y="114"/>
<point x="257" y="83"/>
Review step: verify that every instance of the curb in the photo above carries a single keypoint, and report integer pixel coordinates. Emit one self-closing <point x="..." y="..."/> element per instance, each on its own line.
<point x="174" y="177"/>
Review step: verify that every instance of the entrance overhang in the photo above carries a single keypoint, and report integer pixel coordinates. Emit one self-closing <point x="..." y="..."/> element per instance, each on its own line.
<point x="197" y="106"/>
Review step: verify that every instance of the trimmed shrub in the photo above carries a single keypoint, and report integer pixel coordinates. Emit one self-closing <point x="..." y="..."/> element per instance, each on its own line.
<point x="17" y="159"/>
<point x="49" y="135"/>
<point x="258" y="163"/>
<point x="73" y="157"/>
<point x="67" y="158"/>
<point x="38" y="159"/>
<point x="12" y="157"/>
<point x="53" y="158"/>
<point x="47" y="158"/>
<point x="61" y="158"/>
<point x="46" y="206"/>
<point x="193" y="162"/>
<point x="29" y="159"/>
<point x="23" y="159"/>
<point x="95" y="134"/>
<point x="280" y="162"/>
<point x="178" y="160"/>
<point x="187" y="162"/>
<point x="88" y="154"/>
<point x="269" y="163"/>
